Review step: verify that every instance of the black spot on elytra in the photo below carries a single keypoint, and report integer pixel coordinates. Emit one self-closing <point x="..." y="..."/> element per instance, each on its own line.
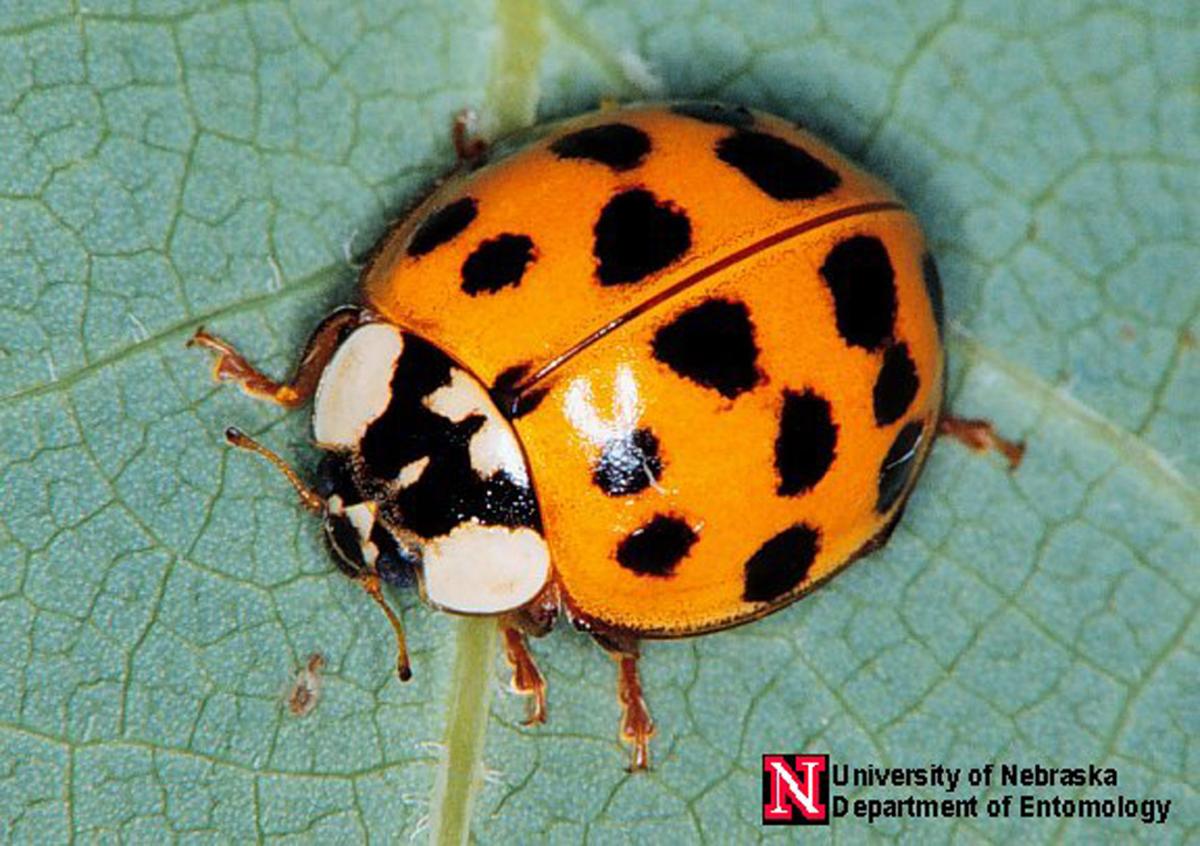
<point x="781" y="169"/>
<point x="933" y="284"/>
<point x="806" y="443"/>
<point x="860" y="276"/>
<point x="510" y="399"/>
<point x="713" y="345"/>
<point x="497" y="263"/>
<point x="629" y="464"/>
<point x="898" y="466"/>
<point x="450" y="490"/>
<point x="895" y="386"/>
<point x="657" y="547"/>
<point x="510" y="377"/>
<point x="618" y="145"/>
<point x="527" y="402"/>
<point x="637" y="235"/>
<point x="718" y="113"/>
<point x="442" y="226"/>
<point x="781" y="563"/>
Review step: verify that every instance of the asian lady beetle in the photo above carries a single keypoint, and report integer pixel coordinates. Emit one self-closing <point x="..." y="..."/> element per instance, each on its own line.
<point x="664" y="369"/>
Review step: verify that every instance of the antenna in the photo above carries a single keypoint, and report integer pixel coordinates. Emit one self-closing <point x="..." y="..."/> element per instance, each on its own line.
<point x="369" y="581"/>
<point x="308" y="498"/>
<point x="370" y="584"/>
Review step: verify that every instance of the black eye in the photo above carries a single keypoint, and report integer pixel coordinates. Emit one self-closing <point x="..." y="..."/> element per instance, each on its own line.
<point x="343" y="540"/>
<point x="395" y="563"/>
<point x="336" y="478"/>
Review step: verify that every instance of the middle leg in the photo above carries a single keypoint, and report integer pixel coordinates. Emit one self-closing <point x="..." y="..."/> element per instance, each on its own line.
<point x="636" y="725"/>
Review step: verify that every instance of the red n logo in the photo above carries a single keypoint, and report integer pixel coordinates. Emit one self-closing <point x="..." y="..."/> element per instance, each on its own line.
<point x="795" y="783"/>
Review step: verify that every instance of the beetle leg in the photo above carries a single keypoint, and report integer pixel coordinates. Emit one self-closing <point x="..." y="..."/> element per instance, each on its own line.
<point x="469" y="146"/>
<point x="535" y="619"/>
<point x="636" y="725"/>
<point x="981" y="436"/>
<point x="527" y="680"/>
<point x="232" y="366"/>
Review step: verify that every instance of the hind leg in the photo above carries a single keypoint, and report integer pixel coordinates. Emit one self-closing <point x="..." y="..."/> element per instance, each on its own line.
<point x="980" y="436"/>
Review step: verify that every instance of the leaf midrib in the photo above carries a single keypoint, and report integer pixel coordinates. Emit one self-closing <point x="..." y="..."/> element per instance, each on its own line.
<point x="510" y="103"/>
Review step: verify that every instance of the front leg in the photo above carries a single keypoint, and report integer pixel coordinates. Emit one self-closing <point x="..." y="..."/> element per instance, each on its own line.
<point x="636" y="725"/>
<point x="322" y="344"/>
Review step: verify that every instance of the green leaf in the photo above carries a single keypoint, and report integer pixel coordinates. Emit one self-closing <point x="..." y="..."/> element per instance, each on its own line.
<point x="168" y="164"/>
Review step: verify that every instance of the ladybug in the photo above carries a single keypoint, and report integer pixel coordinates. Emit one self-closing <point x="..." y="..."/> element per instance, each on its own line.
<point x="662" y="369"/>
